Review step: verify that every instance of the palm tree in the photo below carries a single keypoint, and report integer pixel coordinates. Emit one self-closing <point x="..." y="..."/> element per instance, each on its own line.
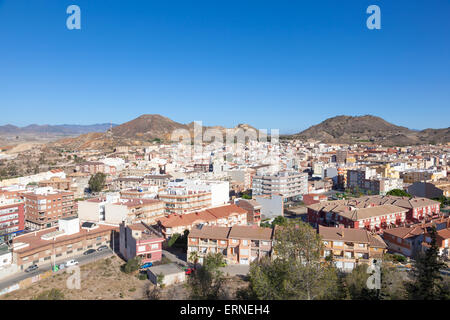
<point x="193" y="257"/>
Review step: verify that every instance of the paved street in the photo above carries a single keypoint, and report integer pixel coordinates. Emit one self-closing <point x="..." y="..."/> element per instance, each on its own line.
<point x="82" y="259"/>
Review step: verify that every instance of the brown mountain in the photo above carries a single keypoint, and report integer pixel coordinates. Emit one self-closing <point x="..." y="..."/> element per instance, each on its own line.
<point x="140" y="131"/>
<point x="348" y="129"/>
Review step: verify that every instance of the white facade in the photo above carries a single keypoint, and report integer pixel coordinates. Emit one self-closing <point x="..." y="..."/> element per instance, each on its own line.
<point x="271" y="207"/>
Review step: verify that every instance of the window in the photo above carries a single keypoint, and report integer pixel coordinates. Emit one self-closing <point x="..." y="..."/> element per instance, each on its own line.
<point x="244" y="252"/>
<point x="338" y="243"/>
<point x="155" y="246"/>
<point x="141" y="248"/>
<point x="244" y="242"/>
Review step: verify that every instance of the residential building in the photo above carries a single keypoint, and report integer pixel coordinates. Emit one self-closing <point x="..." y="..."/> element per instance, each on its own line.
<point x="253" y="209"/>
<point x="374" y="213"/>
<point x="430" y="189"/>
<point x="226" y="216"/>
<point x="238" y="244"/>
<point x="44" y="206"/>
<point x="291" y="184"/>
<point x="351" y="247"/>
<point x="12" y="218"/>
<point x="93" y="167"/>
<point x="407" y="240"/>
<point x="57" y="244"/>
<point x="140" y="240"/>
<point x="56" y="183"/>
<point x="114" y="210"/>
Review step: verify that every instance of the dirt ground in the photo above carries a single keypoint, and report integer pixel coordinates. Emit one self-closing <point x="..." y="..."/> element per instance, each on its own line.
<point x="103" y="280"/>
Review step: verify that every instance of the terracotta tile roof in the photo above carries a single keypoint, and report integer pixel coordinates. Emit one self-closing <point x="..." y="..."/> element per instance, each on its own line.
<point x="226" y="211"/>
<point x="176" y="220"/>
<point x="343" y="234"/>
<point x="365" y="213"/>
<point x="377" y="200"/>
<point x="34" y="238"/>
<point x="210" y="232"/>
<point x="251" y="232"/>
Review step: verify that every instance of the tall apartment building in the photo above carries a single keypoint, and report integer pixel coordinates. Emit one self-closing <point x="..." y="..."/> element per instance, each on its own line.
<point x="291" y="184"/>
<point x="12" y="218"/>
<point x="45" y="206"/>
<point x="184" y="196"/>
<point x="367" y="180"/>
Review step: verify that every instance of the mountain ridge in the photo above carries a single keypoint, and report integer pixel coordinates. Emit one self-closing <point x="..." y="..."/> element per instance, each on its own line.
<point x="369" y="128"/>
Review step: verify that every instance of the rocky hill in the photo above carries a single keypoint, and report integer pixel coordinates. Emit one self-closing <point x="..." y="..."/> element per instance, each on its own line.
<point x="143" y="130"/>
<point x="348" y="129"/>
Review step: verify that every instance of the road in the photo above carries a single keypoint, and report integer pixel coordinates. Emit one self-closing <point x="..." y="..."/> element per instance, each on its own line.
<point x="82" y="259"/>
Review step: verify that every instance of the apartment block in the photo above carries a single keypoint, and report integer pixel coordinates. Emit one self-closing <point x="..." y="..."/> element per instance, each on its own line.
<point x="407" y="240"/>
<point x="291" y="184"/>
<point x="351" y="247"/>
<point x="12" y="218"/>
<point x="44" y="206"/>
<point x="374" y="213"/>
<point x="225" y="216"/>
<point x="114" y="210"/>
<point x="238" y="244"/>
<point x="57" y="244"/>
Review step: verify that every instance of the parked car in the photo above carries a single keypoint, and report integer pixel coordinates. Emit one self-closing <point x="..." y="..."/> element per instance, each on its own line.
<point x="71" y="263"/>
<point x="31" y="268"/>
<point x="146" y="265"/>
<point x="101" y="248"/>
<point x="61" y="266"/>
<point x="90" y="251"/>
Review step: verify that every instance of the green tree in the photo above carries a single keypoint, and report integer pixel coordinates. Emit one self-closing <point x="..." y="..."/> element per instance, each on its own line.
<point x="428" y="283"/>
<point x="193" y="257"/>
<point x="97" y="182"/>
<point x="132" y="265"/>
<point x="296" y="270"/>
<point x="398" y="193"/>
<point x="280" y="220"/>
<point x="392" y="284"/>
<point x="356" y="282"/>
<point x="207" y="282"/>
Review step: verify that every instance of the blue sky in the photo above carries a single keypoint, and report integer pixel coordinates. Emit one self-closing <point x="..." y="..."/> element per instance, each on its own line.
<point x="273" y="64"/>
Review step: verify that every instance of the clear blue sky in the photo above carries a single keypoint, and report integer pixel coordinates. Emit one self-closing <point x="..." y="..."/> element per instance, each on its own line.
<point x="273" y="64"/>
